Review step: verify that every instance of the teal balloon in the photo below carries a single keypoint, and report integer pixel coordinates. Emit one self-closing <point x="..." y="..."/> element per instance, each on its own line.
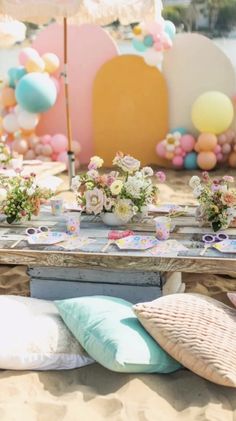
<point x="15" y="74"/>
<point x="190" y="161"/>
<point x="148" y="40"/>
<point x="139" y="45"/>
<point x="36" y="92"/>
<point x="180" y="130"/>
<point x="170" y="29"/>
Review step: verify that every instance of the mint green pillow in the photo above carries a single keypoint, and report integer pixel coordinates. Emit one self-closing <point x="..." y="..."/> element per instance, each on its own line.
<point x="110" y="332"/>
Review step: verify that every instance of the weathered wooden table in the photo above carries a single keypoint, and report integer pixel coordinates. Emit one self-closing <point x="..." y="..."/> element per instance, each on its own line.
<point x="56" y="273"/>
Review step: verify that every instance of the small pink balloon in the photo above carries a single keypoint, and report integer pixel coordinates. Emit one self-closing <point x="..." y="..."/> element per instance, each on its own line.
<point x="54" y="156"/>
<point x="166" y="42"/>
<point x="183" y="153"/>
<point x="158" y="46"/>
<point x="56" y="83"/>
<point x="26" y="54"/>
<point x="178" y="151"/>
<point x="219" y="157"/>
<point x="38" y="149"/>
<point x="63" y="157"/>
<point x="33" y="141"/>
<point x="161" y="150"/>
<point x="178" y="161"/>
<point x="226" y="148"/>
<point x="217" y="149"/>
<point x="30" y="154"/>
<point x="76" y="147"/>
<point x="222" y="139"/>
<point x="59" y="143"/>
<point x="46" y="139"/>
<point x="47" y="150"/>
<point x="187" y="142"/>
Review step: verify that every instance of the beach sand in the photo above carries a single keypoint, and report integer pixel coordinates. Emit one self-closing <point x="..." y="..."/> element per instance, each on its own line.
<point x="94" y="392"/>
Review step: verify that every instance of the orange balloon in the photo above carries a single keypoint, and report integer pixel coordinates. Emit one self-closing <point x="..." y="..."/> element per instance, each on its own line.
<point x="207" y="142"/>
<point x="8" y="97"/>
<point x="232" y="160"/>
<point x="196" y="147"/>
<point x="27" y="133"/>
<point x="206" y="160"/>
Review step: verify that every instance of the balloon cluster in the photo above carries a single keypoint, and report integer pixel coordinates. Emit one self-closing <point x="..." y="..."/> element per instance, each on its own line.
<point x="31" y="88"/>
<point x="178" y="147"/>
<point x="153" y="38"/>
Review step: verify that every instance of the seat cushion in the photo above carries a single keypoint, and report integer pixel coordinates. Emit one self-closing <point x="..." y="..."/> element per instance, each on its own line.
<point x="34" y="337"/>
<point x="110" y="332"/>
<point x="197" y="331"/>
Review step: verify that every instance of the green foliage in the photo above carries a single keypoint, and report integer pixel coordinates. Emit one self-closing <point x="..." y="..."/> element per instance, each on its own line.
<point x="176" y="14"/>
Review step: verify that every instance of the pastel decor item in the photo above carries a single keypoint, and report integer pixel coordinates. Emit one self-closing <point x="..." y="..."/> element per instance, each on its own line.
<point x="207" y="142"/>
<point x="139" y="45"/>
<point x="197" y="331"/>
<point x="170" y="29"/>
<point x="212" y="112"/>
<point x="27" y="121"/>
<point x="163" y="226"/>
<point x="102" y="325"/>
<point x="8" y="98"/>
<point x="34" y="337"/>
<point x="56" y="206"/>
<point x="59" y="143"/>
<point x="15" y="74"/>
<point x="206" y="160"/>
<point x="187" y="142"/>
<point x="35" y="65"/>
<point x="36" y="93"/>
<point x="191" y="78"/>
<point x="27" y="54"/>
<point x="190" y="161"/>
<point x="73" y="223"/>
<point x="83" y="67"/>
<point x="10" y="123"/>
<point x="51" y="62"/>
<point x="139" y="100"/>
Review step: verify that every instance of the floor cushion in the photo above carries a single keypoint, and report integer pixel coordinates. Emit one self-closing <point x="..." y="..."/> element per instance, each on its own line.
<point x="197" y="331"/>
<point x="33" y="336"/>
<point x="110" y="332"/>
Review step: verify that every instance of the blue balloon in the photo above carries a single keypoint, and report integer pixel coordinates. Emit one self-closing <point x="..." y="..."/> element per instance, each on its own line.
<point x="36" y="92"/>
<point x="15" y="74"/>
<point x="139" y="45"/>
<point x="170" y="29"/>
<point x="148" y="40"/>
<point x="190" y="161"/>
<point x="180" y="130"/>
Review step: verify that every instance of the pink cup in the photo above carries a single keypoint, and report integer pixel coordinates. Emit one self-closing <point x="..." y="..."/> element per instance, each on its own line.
<point x="163" y="226"/>
<point x="73" y="223"/>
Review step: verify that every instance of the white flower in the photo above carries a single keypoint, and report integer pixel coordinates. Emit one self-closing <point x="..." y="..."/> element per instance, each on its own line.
<point x="116" y="187"/>
<point x="3" y="195"/>
<point x="124" y="209"/>
<point x="194" y="182"/>
<point x="133" y="186"/>
<point x="198" y="191"/>
<point x="30" y="191"/>
<point x="93" y="174"/>
<point x="223" y="188"/>
<point x="95" y="162"/>
<point x="76" y="183"/>
<point x="147" y="172"/>
<point x="3" y="157"/>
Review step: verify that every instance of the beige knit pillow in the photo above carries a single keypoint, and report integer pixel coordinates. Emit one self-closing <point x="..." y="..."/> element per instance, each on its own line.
<point x="197" y="331"/>
<point x="232" y="297"/>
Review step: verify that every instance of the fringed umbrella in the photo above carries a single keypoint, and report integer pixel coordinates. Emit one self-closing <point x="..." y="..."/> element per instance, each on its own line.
<point x="101" y="12"/>
<point x="11" y="31"/>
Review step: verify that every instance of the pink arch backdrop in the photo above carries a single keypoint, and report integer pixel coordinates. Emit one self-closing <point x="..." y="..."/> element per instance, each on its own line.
<point x="89" y="48"/>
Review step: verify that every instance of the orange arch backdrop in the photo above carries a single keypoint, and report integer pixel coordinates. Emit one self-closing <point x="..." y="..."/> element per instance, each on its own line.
<point x="130" y="109"/>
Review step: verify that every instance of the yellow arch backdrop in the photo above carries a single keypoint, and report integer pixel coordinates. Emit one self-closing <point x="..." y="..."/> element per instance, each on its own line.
<point x="130" y="109"/>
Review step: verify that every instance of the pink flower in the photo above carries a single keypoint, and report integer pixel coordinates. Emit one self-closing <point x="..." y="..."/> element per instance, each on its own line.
<point x="205" y="176"/>
<point x="127" y="163"/>
<point x="229" y="199"/>
<point x="228" y="178"/>
<point x="160" y="176"/>
<point x="94" y="201"/>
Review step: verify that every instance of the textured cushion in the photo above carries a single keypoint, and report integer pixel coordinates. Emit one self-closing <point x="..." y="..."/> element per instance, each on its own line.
<point x="232" y="297"/>
<point x="33" y="336"/>
<point x="110" y="332"/>
<point x="197" y="331"/>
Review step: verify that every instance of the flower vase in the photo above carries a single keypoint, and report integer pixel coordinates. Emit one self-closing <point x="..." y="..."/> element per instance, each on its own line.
<point x="110" y="219"/>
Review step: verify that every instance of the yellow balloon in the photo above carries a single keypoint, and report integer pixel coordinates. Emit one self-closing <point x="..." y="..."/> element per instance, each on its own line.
<point x="35" y="65"/>
<point x="51" y="62"/>
<point x="212" y="112"/>
<point x="137" y="30"/>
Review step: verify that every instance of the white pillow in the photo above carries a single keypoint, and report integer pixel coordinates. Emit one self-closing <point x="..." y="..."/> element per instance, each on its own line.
<point x="34" y="337"/>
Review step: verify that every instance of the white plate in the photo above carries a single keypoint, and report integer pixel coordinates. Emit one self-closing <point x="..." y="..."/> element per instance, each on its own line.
<point x="47" y="238"/>
<point x="136" y="242"/>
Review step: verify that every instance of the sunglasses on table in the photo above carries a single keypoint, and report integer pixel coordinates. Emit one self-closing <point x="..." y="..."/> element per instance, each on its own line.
<point x="32" y="230"/>
<point x="214" y="238"/>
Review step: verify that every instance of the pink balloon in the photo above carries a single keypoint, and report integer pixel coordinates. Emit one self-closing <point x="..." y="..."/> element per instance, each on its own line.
<point x="178" y="151"/>
<point x="59" y="143"/>
<point x="76" y="147"/>
<point x="38" y="149"/>
<point x="30" y="154"/>
<point x="226" y="148"/>
<point x="160" y="149"/>
<point x="26" y="54"/>
<point x="46" y="139"/>
<point x="47" y="150"/>
<point x="63" y="157"/>
<point x="187" y="142"/>
<point x="154" y="27"/>
<point x="33" y="141"/>
<point x="158" y="46"/>
<point x="54" y="156"/>
<point x="217" y="149"/>
<point x="166" y="41"/>
<point x="56" y="83"/>
<point x="178" y="161"/>
<point x="219" y="157"/>
<point x="183" y="153"/>
<point x="222" y="139"/>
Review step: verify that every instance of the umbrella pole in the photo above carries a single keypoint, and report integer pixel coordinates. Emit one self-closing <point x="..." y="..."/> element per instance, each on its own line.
<point x="71" y="155"/>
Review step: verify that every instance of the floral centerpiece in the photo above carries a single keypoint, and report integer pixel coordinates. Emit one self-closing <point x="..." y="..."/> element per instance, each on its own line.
<point x="5" y="154"/>
<point x="125" y="191"/>
<point x="217" y="200"/>
<point x="21" y="197"/>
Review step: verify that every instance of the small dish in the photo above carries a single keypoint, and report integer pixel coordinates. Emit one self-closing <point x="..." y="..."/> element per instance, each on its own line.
<point x="136" y="242"/>
<point x="47" y="238"/>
